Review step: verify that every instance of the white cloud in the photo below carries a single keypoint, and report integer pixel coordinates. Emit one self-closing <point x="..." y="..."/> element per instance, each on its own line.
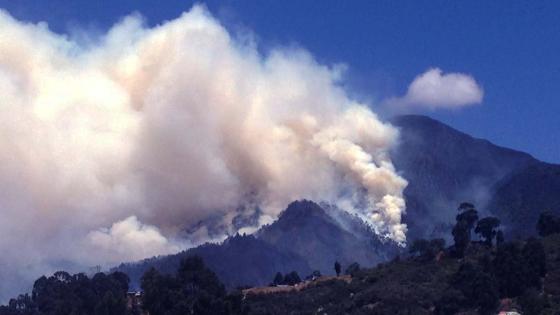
<point x="434" y="89"/>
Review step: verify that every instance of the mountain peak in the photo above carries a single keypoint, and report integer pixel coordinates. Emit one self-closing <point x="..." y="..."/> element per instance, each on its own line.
<point x="302" y="209"/>
<point x="444" y="167"/>
<point x="435" y="132"/>
<point x="422" y="122"/>
<point x="414" y="118"/>
<point x="307" y="230"/>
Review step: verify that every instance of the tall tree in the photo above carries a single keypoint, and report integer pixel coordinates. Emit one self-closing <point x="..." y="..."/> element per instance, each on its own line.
<point x="486" y="228"/>
<point x="278" y="279"/>
<point x="337" y="268"/>
<point x="462" y="229"/>
<point x="292" y="278"/>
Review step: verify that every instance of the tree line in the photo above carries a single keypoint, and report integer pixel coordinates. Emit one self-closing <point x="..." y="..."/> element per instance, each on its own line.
<point x="504" y="270"/>
<point x="488" y="270"/>
<point x="65" y="294"/>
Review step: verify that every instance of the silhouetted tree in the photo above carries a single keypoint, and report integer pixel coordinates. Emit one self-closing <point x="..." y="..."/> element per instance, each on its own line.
<point x="195" y="276"/>
<point x="337" y="268"/>
<point x="292" y="278"/>
<point x="63" y="293"/>
<point x="22" y="305"/>
<point x="464" y="206"/>
<point x="156" y="291"/>
<point x="278" y="279"/>
<point x="461" y="238"/>
<point x="462" y="229"/>
<point x="194" y="290"/>
<point x="486" y="228"/>
<point x="469" y="217"/>
<point x="110" y="305"/>
<point x="548" y="224"/>
<point x="122" y="279"/>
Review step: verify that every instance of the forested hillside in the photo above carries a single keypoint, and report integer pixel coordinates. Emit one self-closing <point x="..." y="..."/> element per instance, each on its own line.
<point x="468" y="277"/>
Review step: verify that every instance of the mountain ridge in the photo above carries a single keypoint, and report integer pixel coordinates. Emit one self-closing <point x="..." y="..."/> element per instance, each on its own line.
<point x="303" y="239"/>
<point x="444" y="167"/>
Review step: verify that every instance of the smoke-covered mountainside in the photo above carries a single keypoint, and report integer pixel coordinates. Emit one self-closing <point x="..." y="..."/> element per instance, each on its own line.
<point x="306" y="229"/>
<point x="520" y="197"/>
<point x="238" y="261"/>
<point x="445" y="167"/>
<point x="303" y="239"/>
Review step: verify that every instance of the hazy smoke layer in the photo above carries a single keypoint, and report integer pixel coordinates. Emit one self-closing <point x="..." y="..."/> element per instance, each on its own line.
<point x="110" y="149"/>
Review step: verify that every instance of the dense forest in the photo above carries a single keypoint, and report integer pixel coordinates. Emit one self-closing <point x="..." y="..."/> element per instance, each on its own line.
<point x="77" y="294"/>
<point x="470" y="276"/>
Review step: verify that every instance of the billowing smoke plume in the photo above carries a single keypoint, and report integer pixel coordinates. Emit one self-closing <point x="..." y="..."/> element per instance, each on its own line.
<point x="112" y="149"/>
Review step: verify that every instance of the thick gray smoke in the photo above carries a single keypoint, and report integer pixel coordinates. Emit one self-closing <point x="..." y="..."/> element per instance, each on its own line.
<point x="110" y="149"/>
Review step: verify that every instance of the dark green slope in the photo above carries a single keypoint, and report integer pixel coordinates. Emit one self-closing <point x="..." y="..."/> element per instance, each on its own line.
<point x="442" y="285"/>
<point x="306" y="230"/>
<point x="238" y="261"/>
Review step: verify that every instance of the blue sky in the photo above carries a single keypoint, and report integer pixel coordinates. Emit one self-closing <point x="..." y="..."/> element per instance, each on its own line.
<point x="511" y="48"/>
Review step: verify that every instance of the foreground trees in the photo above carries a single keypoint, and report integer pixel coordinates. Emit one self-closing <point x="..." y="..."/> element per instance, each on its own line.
<point x="519" y="267"/>
<point x="434" y="280"/>
<point x="64" y="294"/>
<point x="195" y="289"/>
<point x="467" y="219"/>
<point x="477" y="286"/>
<point x="278" y="279"/>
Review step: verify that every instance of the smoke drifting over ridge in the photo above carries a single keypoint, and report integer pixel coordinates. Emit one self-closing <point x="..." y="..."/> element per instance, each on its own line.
<point x="109" y="150"/>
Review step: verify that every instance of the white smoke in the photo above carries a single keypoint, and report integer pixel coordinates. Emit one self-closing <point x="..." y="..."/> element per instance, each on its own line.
<point x="131" y="239"/>
<point x="109" y="150"/>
